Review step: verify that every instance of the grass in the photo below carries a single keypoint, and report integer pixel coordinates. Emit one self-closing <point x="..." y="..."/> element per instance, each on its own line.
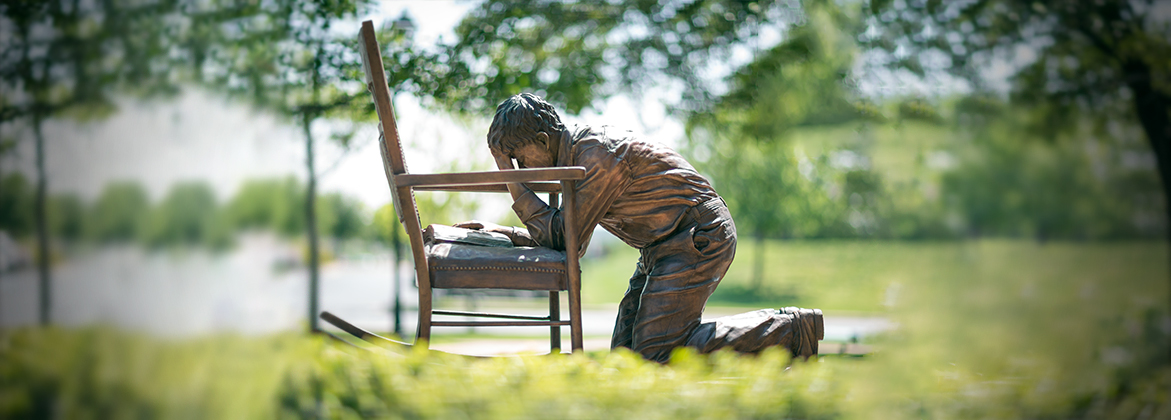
<point x="987" y="329"/>
<point x="872" y="276"/>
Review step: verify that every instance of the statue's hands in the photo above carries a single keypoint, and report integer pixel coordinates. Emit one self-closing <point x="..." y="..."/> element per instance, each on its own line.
<point x="485" y="226"/>
<point x="471" y="224"/>
<point x="508" y="231"/>
<point x="474" y="225"/>
<point x="503" y="162"/>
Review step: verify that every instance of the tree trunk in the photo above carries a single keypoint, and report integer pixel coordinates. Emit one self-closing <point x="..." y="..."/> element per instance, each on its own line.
<point x="39" y="215"/>
<point x="311" y="223"/>
<point x="398" y="257"/>
<point x="1152" y="108"/>
<point x="758" y="264"/>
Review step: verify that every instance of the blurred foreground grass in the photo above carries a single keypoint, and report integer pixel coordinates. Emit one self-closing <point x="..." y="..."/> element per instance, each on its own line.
<point x="988" y="329"/>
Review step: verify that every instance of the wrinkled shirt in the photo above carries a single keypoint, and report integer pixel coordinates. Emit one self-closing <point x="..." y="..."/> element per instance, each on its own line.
<point x="637" y="191"/>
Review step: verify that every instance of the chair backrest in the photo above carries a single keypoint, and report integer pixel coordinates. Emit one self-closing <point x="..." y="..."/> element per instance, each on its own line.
<point x="403" y="198"/>
<point x="389" y="145"/>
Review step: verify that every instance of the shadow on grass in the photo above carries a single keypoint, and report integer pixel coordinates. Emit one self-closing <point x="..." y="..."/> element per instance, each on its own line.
<point x="737" y="294"/>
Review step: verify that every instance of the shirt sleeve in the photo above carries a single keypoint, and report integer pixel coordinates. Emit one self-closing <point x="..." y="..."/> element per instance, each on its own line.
<point x="606" y="177"/>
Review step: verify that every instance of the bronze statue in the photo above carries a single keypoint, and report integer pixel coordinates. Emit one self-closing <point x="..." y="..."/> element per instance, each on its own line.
<point x="654" y="200"/>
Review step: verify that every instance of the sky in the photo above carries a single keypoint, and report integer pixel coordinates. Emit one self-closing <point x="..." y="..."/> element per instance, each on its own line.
<point x="200" y="136"/>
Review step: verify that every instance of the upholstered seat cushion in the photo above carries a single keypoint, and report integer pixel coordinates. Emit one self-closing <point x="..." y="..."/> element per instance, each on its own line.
<point x="460" y="266"/>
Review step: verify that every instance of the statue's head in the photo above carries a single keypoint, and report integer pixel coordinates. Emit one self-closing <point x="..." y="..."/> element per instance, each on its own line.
<point x="524" y="122"/>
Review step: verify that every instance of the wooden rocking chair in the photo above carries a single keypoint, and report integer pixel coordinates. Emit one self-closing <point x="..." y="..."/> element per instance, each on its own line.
<point x="460" y="266"/>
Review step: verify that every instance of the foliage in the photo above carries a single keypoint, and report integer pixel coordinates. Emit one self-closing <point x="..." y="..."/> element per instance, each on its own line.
<point x="291" y="59"/>
<point x="804" y="80"/>
<point x="437" y="207"/>
<point x="16" y="198"/>
<point x="66" y="58"/>
<point x="1069" y="184"/>
<point x="341" y="216"/>
<point x="51" y="57"/>
<point x="382" y="227"/>
<point x="1004" y="329"/>
<point x="575" y="52"/>
<point x="744" y="129"/>
<point x="1074" y="60"/>
<point x="120" y="213"/>
<point x="1072" y="51"/>
<point x="273" y="204"/>
<point x="66" y="215"/>
<point x="105" y="373"/>
<point x="977" y="170"/>
<point x="188" y="215"/>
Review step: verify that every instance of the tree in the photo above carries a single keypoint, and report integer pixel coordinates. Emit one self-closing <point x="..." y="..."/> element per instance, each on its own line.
<point x="15" y="205"/>
<point x="119" y="214"/>
<point x="743" y="134"/>
<point x="1103" y="58"/>
<point x="48" y="66"/>
<point x="188" y="215"/>
<point x="66" y="214"/>
<point x="275" y="204"/>
<point x="297" y="58"/>
<point x="577" y="52"/>
<point x="292" y="61"/>
<point x="1011" y="181"/>
<point x="65" y="58"/>
<point x="341" y="218"/>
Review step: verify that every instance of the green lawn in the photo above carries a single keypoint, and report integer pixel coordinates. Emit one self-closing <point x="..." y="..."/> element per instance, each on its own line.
<point x="987" y="329"/>
<point x="871" y="276"/>
<point x="846" y="276"/>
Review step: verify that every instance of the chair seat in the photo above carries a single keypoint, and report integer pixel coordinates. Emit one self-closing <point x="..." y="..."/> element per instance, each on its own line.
<point x="461" y="266"/>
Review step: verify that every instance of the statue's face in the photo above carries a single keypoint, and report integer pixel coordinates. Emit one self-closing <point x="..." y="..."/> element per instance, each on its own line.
<point x="533" y="155"/>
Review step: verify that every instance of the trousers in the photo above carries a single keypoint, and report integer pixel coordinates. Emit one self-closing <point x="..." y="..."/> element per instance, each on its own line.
<point x="663" y="306"/>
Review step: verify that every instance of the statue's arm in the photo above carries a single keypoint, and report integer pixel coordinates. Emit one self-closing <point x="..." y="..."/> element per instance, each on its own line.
<point x="606" y="178"/>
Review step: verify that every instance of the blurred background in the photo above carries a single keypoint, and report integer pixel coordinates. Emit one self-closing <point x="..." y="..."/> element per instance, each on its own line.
<point x="953" y="181"/>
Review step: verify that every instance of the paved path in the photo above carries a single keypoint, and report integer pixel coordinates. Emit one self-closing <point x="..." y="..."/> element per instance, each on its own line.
<point x="529" y="346"/>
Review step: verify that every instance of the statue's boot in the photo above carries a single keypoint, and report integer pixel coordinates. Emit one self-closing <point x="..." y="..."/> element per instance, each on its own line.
<point x="808" y="328"/>
<point x="796" y="329"/>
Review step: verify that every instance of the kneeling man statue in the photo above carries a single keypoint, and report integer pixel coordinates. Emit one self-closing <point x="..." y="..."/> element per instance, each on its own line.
<point x="654" y="200"/>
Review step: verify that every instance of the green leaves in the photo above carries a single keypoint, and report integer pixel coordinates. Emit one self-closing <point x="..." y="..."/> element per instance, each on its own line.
<point x="188" y="215"/>
<point x="120" y="213"/>
<point x="575" y="53"/>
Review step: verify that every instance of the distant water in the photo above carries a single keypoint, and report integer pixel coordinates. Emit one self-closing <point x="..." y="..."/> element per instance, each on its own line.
<point x="180" y="293"/>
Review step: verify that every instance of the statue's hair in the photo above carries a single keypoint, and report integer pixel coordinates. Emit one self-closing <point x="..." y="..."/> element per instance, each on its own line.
<point x="518" y="120"/>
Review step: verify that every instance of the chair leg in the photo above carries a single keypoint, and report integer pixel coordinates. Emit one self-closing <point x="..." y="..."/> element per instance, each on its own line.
<point x="554" y="315"/>
<point x="575" y="320"/>
<point x="423" y="332"/>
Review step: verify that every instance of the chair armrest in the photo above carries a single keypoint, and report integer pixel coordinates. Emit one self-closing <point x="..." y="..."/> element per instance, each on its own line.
<point x="539" y="186"/>
<point x="490" y="177"/>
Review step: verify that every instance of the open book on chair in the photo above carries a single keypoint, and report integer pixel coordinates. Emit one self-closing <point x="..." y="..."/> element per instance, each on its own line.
<point x="445" y="233"/>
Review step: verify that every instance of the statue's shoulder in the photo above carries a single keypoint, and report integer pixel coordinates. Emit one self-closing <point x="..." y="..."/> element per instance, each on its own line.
<point x="605" y="137"/>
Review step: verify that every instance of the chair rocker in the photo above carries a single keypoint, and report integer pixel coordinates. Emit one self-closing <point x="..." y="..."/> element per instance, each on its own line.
<point x="443" y="265"/>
